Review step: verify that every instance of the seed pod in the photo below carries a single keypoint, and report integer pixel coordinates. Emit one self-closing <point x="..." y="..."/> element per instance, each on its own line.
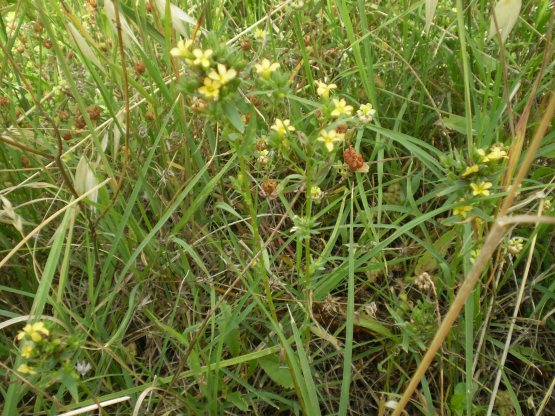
<point x="269" y="189"/>
<point x="341" y="129"/>
<point x="80" y="122"/>
<point x="354" y="160"/>
<point x="25" y="161"/>
<point x="246" y="45"/>
<point x="94" y="112"/>
<point x="140" y="67"/>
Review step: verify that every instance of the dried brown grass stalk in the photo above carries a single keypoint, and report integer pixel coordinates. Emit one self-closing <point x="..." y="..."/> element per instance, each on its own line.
<point x="494" y="237"/>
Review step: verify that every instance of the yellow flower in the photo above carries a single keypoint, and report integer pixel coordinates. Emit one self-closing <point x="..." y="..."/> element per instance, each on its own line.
<point x="183" y="49"/>
<point x="223" y="75"/>
<point x="483" y="156"/>
<point x="324" y="89"/>
<point x="259" y="34"/>
<point x="210" y="89"/>
<point x="281" y="127"/>
<point x="462" y="210"/>
<point x="202" y="58"/>
<point x="329" y="137"/>
<point x="481" y="188"/>
<point x="341" y="107"/>
<point x="34" y="331"/>
<point x="497" y="152"/>
<point x="366" y="113"/>
<point x="25" y="369"/>
<point x="265" y="68"/>
<point x="27" y="350"/>
<point x="470" y="170"/>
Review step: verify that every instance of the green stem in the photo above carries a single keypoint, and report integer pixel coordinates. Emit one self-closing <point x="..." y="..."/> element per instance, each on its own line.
<point x="257" y="243"/>
<point x="466" y="74"/>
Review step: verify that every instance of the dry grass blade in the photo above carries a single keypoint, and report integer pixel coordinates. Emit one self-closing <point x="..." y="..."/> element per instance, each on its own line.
<point x="513" y="319"/>
<point x="50" y="219"/>
<point x="430" y="12"/>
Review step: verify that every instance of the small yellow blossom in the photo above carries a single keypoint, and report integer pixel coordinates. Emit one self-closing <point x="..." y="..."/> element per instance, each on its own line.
<point x="483" y="157"/>
<point x="265" y="68"/>
<point x="25" y="369"/>
<point x="340" y="107"/>
<point x="27" y="350"/>
<point x="329" y="137"/>
<point x="259" y="34"/>
<point x="34" y="331"/>
<point x="316" y="193"/>
<point x="223" y="75"/>
<point x="470" y="170"/>
<point x="481" y="188"/>
<point x="202" y="58"/>
<point x="497" y="152"/>
<point x="183" y="49"/>
<point x="462" y="210"/>
<point x="324" y="89"/>
<point x="366" y="113"/>
<point x="210" y="89"/>
<point x="281" y="127"/>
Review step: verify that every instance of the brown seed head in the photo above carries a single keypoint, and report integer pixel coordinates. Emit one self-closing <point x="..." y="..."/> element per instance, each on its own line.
<point x="246" y="45"/>
<point x="353" y="159"/>
<point x="80" y="122"/>
<point x="4" y="101"/>
<point x="199" y="105"/>
<point x="67" y="136"/>
<point x="38" y="27"/>
<point x="63" y="115"/>
<point x="47" y="44"/>
<point x="140" y="67"/>
<point x="269" y="188"/>
<point x="261" y="145"/>
<point x="94" y="112"/>
<point x="25" y="161"/>
<point x="341" y="129"/>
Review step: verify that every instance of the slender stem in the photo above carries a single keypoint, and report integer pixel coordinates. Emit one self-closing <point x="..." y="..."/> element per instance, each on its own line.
<point x="257" y="243"/>
<point x="466" y="75"/>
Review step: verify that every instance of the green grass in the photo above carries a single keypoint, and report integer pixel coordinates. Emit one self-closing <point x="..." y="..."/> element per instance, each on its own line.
<point x="204" y="272"/>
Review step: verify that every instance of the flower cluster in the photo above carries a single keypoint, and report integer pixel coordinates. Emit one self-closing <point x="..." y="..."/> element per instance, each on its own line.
<point x="213" y="76"/>
<point x="45" y="351"/>
<point x="480" y="174"/>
